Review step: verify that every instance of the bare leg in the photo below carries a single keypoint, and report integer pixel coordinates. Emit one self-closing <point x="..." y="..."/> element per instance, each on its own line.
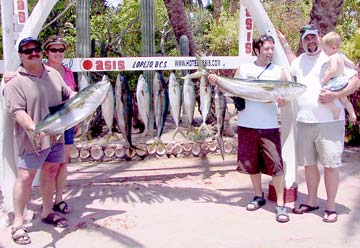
<point x="61" y="176"/>
<point x="331" y="178"/>
<point x="312" y="176"/>
<point x="256" y="182"/>
<point x="349" y="108"/>
<point x="278" y="182"/>
<point x="21" y="193"/>
<point x="47" y="186"/>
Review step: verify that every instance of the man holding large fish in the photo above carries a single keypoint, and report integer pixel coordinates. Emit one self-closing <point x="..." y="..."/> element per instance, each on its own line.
<point x="320" y="137"/>
<point x="259" y="144"/>
<point x="28" y="96"/>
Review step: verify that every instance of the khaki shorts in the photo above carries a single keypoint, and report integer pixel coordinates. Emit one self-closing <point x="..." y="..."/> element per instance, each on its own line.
<point x="320" y="142"/>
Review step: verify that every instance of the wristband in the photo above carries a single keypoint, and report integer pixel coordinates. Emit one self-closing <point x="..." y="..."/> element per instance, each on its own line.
<point x="285" y="45"/>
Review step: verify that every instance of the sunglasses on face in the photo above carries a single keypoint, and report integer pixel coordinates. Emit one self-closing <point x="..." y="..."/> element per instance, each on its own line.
<point x="55" y="50"/>
<point x="31" y="50"/>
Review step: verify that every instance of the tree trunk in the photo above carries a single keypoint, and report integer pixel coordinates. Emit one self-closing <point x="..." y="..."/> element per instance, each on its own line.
<point x="217" y="10"/>
<point x="179" y="22"/>
<point x="324" y="14"/>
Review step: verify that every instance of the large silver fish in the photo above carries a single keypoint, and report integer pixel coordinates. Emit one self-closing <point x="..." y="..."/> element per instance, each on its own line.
<point x="175" y="102"/>
<point x="189" y="99"/>
<point x="143" y="100"/>
<point x="85" y="124"/>
<point x="255" y="90"/>
<point x="124" y="110"/>
<point x="220" y="110"/>
<point x="75" y="110"/>
<point x="107" y="110"/>
<point x="205" y="101"/>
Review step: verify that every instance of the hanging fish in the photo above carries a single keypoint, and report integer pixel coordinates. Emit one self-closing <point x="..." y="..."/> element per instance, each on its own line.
<point x="143" y="101"/>
<point x="205" y="101"/>
<point x="175" y="102"/>
<point x="124" y="111"/>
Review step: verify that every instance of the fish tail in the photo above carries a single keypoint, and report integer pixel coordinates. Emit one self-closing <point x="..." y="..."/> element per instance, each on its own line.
<point x="205" y="127"/>
<point x="178" y="130"/>
<point x="221" y="145"/>
<point x="31" y="136"/>
<point x="201" y="71"/>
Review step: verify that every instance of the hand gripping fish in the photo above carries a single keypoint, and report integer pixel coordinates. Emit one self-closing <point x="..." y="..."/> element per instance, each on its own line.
<point x="74" y="111"/>
<point x="253" y="89"/>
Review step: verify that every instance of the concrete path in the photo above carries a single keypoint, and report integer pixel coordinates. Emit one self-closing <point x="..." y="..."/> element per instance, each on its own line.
<point x="178" y="203"/>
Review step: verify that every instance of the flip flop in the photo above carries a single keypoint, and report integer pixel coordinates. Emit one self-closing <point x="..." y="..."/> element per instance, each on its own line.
<point x="55" y="220"/>
<point x="22" y="238"/>
<point x="281" y="212"/>
<point x="327" y="214"/>
<point x="304" y="208"/>
<point x="62" y="207"/>
<point x="256" y="203"/>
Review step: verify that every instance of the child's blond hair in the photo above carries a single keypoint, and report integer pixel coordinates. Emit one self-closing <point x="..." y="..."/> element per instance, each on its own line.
<point x="332" y="38"/>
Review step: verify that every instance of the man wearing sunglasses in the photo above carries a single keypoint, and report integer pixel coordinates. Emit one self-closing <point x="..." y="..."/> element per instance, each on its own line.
<point x="28" y="96"/>
<point x="320" y="138"/>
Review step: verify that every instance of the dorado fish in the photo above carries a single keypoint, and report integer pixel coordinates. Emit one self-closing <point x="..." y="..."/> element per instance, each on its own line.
<point x="253" y="89"/>
<point x="175" y="102"/>
<point x="124" y="110"/>
<point x="205" y="101"/>
<point x="143" y="101"/>
<point x="75" y="110"/>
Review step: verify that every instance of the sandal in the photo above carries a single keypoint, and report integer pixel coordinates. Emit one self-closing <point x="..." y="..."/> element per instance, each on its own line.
<point x="62" y="207"/>
<point x="22" y="238"/>
<point x="304" y="208"/>
<point x="327" y="214"/>
<point x="281" y="212"/>
<point x="55" y="220"/>
<point x="256" y="203"/>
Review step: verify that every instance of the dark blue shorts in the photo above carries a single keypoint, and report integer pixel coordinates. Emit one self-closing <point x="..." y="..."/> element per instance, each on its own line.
<point x="69" y="136"/>
<point x="55" y="154"/>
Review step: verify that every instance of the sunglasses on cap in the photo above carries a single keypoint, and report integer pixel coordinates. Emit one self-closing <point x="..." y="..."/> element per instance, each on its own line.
<point x="31" y="50"/>
<point x="307" y="27"/>
<point x="55" y="50"/>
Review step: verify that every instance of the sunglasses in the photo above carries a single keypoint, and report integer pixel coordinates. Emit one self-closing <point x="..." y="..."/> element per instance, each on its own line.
<point x="307" y="27"/>
<point x="31" y="50"/>
<point x="55" y="50"/>
<point x="266" y="37"/>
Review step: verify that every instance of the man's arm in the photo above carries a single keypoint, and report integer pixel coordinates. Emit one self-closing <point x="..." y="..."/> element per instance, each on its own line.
<point x="289" y="53"/>
<point x="24" y="120"/>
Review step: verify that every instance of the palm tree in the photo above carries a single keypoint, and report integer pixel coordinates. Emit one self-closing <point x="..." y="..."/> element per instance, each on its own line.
<point x="179" y="22"/>
<point x="324" y="14"/>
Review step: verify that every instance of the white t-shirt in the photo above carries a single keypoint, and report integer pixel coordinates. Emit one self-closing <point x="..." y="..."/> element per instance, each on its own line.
<point x="257" y="114"/>
<point x="307" y="70"/>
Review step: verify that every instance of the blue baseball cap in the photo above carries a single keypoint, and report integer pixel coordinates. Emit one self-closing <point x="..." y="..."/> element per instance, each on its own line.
<point x="27" y="40"/>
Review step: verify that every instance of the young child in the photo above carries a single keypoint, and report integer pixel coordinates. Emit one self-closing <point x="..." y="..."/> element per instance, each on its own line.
<point x="332" y="77"/>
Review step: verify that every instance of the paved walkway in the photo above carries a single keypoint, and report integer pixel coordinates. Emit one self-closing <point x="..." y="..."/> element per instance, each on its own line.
<point x="189" y="203"/>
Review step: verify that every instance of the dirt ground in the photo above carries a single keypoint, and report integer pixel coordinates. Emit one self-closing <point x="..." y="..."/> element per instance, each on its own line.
<point x="197" y="202"/>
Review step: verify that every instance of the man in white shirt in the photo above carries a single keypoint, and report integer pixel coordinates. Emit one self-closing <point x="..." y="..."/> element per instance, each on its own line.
<point x="320" y="137"/>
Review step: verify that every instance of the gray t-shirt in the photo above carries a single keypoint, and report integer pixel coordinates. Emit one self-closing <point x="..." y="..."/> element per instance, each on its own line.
<point x="34" y="95"/>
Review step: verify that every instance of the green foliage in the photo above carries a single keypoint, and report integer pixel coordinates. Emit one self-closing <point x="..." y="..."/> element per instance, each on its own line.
<point x="220" y="39"/>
